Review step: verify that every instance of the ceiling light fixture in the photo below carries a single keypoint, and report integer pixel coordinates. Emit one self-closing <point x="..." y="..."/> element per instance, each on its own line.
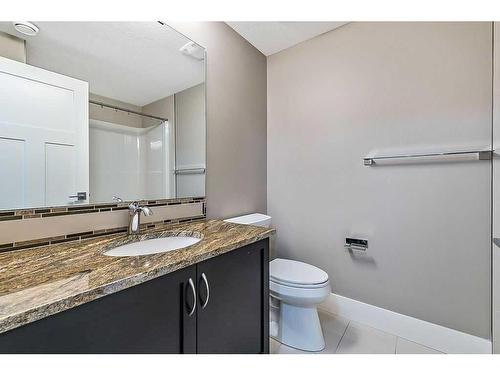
<point x="193" y="50"/>
<point x="26" y="28"/>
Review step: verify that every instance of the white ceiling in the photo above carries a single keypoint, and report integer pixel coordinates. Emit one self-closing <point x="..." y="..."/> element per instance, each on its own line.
<point x="272" y="37"/>
<point x="134" y="62"/>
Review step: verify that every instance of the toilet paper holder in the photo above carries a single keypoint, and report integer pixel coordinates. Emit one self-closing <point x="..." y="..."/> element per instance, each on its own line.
<point x="356" y="244"/>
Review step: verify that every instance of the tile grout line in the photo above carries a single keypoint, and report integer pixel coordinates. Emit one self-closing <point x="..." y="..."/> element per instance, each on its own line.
<point x="349" y="321"/>
<point x="416" y="343"/>
<point x="279" y="345"/>
<point x="343" y="334"/>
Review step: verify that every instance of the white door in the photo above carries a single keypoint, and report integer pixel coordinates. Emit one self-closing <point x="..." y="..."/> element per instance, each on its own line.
<point x="43" y="136"/>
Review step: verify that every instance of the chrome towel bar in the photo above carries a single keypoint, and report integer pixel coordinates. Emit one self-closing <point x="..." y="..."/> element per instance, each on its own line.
<point x="479" y="155"/>
<point x="190" y="171"/>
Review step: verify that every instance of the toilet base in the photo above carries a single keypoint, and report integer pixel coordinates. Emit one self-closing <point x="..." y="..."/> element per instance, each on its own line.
<point x="300" y="328"/>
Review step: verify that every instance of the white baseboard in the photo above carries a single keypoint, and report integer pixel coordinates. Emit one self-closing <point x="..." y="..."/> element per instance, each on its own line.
<point x="434" y="336"/>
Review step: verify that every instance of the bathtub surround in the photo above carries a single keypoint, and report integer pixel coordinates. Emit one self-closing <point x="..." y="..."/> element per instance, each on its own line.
<point x="131" y="162"/>
<point x="383" y="88"/>
<point x="236" y="119"/>
<point x="44" y="288"/>
<point x="28" y="228"/>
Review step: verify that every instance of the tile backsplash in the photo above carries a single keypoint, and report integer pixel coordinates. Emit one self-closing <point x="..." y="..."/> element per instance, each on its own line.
<point x="26" y="228"/>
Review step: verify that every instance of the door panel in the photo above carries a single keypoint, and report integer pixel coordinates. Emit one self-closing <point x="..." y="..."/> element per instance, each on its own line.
<point x="12" y="165"/>
<point x="51" y="110"/>
<point x="43" y="108"/>
<point x="235" y="319"/>
<point x="60" y="180"/>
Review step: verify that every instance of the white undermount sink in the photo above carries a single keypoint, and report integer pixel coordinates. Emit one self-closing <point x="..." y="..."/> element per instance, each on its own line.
<point x="152" y="246"/>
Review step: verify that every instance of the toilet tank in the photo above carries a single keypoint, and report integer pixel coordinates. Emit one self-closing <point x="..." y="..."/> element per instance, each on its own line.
<point x="260" y="220"/>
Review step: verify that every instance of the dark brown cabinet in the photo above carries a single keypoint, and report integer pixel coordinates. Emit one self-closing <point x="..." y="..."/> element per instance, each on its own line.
<point x="235" y="318"/>
<point x="216" y="306"/>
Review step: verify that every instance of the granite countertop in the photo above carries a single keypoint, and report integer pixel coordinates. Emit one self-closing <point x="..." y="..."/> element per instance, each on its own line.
<point x="36" y="283"/>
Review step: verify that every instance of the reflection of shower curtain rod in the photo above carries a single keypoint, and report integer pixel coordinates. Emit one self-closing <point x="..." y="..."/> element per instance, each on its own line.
<point x="126" y="110"/>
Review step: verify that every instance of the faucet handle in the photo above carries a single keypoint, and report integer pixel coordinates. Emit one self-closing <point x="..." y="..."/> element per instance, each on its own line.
<point x="146" y="211"/>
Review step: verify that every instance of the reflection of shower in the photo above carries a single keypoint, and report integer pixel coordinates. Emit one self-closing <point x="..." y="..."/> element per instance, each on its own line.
<point x="133" y="163"/>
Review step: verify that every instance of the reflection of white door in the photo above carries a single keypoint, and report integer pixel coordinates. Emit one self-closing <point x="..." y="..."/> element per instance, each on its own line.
<point x="43" y="136"/>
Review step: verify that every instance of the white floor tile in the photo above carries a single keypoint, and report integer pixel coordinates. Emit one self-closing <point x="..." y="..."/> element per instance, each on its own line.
<point x="361" y="339"/>
<point x="334" y="327"/>
<point x="344" y="337"/>
<point x="274" y="346"/>
<point x="409" y="347"/>
<point x="283" y="349"/>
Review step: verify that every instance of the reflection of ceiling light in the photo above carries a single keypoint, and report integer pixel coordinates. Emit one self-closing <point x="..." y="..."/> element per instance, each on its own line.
<point x="192" y="49"/>
<point x="26" y="28"/>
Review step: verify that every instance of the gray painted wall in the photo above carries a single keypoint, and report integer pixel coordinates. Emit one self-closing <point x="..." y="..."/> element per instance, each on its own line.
<point x="391" y="87"/>
<point x="111" y="115"/>
<point x="12" y="47"/>
<point x="236" y="119"/>
<point x="190" y="140"/>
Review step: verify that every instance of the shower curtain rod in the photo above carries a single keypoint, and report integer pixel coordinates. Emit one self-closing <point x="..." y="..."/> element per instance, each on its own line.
<point x="126" y="110"/>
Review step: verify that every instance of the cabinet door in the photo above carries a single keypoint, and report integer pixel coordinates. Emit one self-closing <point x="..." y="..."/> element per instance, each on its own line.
<point x="148" y="318"/>
<point x="236" y="317"/>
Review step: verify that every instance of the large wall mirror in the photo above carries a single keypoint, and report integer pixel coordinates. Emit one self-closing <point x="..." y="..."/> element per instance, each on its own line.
<point x="92" y="110"/>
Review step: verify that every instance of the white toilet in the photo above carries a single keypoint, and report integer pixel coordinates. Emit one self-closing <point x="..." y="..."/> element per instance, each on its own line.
<point x="298" y="287"/>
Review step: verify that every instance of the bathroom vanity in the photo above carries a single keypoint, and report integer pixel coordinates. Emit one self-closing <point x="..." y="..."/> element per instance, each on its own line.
<point x="211" y="297"/>
<point x="96" y="152"/>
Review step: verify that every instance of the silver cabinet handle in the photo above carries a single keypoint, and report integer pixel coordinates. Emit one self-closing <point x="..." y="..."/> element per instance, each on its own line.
<point x="191" y="284"/>
<point x="204" y="277"/>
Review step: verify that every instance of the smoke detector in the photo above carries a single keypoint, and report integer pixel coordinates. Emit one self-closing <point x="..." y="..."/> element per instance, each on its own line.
<point x="193" y="50"/>
<point x="26" y="28"/>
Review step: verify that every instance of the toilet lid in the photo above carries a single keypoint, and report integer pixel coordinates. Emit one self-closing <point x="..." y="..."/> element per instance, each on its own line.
<point x="297" y="273"/>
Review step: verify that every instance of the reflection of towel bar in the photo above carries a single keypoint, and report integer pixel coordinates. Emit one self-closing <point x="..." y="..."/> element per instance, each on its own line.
<point x="190" y="171"/>
<point x="480" y="155"/>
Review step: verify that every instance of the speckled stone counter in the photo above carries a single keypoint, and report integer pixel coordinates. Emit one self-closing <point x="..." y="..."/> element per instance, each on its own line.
<point x="36" y="283"/>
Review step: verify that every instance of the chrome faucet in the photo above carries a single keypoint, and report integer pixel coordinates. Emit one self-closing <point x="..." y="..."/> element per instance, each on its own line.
<point x="135" y="211"/>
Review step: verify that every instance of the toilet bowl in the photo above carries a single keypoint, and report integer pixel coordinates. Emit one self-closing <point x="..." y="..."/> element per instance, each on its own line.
<point x="298" y="287"/>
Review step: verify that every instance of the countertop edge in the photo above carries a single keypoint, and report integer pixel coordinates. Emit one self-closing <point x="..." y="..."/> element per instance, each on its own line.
<point x="29" y="316"/>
